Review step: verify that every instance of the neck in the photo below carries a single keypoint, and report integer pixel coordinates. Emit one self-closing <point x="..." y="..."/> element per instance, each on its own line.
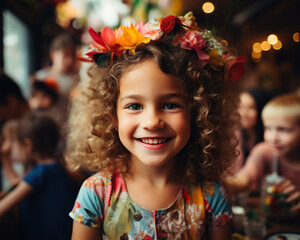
<point x="58" y="70"/>
<point x="154" y="176"/>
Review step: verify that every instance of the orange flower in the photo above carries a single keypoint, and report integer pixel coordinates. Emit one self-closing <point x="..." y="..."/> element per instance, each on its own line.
<point x="131" y="38"/>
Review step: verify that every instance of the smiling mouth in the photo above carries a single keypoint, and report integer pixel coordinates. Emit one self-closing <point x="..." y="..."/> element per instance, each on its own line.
<point x="153" y="141"/>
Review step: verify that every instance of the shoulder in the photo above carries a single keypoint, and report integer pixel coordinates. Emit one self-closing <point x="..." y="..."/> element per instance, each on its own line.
<point x="102" y="185"/>
<point x="42" y="73"/>
<point x="217" y="205"/>
<point x="262" y="148"/>
<point x="42" y="173"/>
<point x="94" y="198"/>
<point x="261" y="152"/>
<point x="214" y="192"/>
<point x="35" y="174"/>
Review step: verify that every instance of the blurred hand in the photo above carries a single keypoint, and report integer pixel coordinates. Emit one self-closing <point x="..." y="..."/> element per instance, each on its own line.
<point x="293" y="193"/>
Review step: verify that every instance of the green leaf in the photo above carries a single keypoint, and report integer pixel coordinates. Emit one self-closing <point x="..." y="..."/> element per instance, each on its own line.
<point x="102" y="58"/>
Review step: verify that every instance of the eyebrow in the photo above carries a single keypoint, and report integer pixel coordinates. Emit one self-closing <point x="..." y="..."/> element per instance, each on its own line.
<point x="163" y="97"/>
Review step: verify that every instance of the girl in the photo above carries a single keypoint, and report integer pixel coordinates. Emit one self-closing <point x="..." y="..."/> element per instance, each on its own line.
<point x="45" y="195"/>
<point x="250" y="133"/>
<point x="155" y="121"/>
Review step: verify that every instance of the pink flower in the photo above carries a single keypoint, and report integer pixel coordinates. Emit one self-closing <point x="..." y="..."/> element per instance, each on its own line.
<point x="194" y="41"/>
<point x="235" y="68"/>
<point x="150" y="30"/>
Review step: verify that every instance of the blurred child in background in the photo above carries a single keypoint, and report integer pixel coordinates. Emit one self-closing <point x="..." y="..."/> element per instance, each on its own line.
<point x="12" y="168"/>
<point x="44" y="95"/>
<point x="13" y="104"/>
<point x="63" y="71"/>
<point x="251" y="132"/>
<point x="45" y="195"/>
<point x="281" y="118"/>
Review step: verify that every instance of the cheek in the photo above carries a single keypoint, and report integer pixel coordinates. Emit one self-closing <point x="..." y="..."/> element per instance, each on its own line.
<point x="292" y="139"/>
<point x="125" y="125"/>
<point x="183" y="126"/>
<point x="252" y="114"/>
<point x="266" y="136"/>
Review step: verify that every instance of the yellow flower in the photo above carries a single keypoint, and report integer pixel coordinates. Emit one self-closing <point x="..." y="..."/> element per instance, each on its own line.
<point x="215" y="59"/>
<point x="131" y="38"/>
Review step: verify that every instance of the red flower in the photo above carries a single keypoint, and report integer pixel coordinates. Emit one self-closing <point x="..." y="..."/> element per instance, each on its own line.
<point x="235" y="69"/>
<point x="77" y="204"/>
<point x="169" y="24"/>
<point x="147" y="237"/>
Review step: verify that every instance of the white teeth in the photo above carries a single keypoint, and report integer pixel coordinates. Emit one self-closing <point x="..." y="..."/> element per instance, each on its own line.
<point x="153" y="141"/>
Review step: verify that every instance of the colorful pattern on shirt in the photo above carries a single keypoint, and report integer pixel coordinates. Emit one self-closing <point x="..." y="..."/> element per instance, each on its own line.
<point x="104" y="203"/>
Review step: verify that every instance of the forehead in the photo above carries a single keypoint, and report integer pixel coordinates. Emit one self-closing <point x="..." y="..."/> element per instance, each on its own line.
<point x="246" y="98"/>
<point x="146" y="77"/>
<point x="280" y="120"/>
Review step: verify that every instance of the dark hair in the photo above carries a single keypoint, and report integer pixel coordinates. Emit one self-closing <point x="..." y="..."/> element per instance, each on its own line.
<point x="45" y="88"/>
<point x="42" y="131"/>
<point x="8" y="87"/>
<point x="94" y="142"/>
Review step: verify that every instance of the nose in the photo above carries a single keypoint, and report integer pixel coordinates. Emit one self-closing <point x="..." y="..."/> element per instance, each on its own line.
<point x="152" y="120"/>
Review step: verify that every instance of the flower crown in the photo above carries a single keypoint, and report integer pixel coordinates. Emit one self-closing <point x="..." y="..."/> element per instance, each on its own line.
<point x="181" y="31"/>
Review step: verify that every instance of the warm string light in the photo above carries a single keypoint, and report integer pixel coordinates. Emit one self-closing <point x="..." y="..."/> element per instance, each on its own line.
<point x="208" y="7"/>
<point x="271" y="42"/>
<point x="296" y="36"/>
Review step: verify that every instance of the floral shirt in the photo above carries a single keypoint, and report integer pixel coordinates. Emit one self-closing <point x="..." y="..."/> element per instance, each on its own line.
<point x="103" y="203"/>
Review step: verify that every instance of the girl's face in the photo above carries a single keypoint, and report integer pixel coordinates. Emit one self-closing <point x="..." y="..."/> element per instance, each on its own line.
<point x="247" y="111"/>
<point x="283" y="135"/>
<point x="153" y="115"/>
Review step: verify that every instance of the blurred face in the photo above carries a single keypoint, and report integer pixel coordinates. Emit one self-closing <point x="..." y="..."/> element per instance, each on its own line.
<point x="11" y="109"/>
<point x="40" y="100"/>
<point x="247" y="111"/>
<point x="20" y="152"/>
<point x="64" y="59"/>
<point x="283" y="135"/>
<point x="153" y="115"/>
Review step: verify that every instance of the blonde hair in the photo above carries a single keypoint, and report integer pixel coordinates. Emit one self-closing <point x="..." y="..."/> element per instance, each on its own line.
<point x="93" y="141"/>
<point x="287" y="105"/>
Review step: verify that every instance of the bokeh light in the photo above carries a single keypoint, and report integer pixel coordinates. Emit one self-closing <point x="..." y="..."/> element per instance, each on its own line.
<point x="272" y="39"/>
<point x="256" y="55"/>
<point x="256" y="47"/>
<point x="265" y="46"/>
<point x="208" y="7"/>
<point x="277" y="45"/>
<point x="296" y="37"/>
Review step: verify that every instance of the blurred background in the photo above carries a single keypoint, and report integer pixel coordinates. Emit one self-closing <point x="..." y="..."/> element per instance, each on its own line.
<point x="266" y="31"/>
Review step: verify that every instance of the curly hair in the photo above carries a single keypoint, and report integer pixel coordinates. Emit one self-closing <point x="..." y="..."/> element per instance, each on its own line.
<point x="93" y="141"/>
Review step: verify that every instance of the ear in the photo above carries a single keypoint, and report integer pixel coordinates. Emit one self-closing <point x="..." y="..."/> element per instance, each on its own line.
<point x="28" y="145"/>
